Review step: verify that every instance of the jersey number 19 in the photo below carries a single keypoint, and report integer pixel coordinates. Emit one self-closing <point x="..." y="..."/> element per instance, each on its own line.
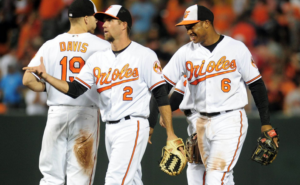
<point x="72" y="68"/>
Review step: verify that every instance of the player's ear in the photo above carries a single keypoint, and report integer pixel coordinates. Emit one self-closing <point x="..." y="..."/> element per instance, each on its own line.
<point x="125" y="25"/>
<point x="206" y="24"/>
<point x="86" y="19"/>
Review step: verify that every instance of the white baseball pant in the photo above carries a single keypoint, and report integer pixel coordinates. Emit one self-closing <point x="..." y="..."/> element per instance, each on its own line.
<point x="70" y="145"/>
<point x="126" y="143"/>
<point x="220" y="140"/>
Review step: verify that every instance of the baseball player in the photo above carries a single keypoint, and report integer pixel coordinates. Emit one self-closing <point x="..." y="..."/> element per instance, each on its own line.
<point x="125" y="75"/>
<point x="217" y="69"/>
<point x="71" y="136"/>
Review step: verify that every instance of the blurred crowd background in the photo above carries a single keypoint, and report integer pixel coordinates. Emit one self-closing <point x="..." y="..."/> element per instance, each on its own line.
<point x="269" y="28"/>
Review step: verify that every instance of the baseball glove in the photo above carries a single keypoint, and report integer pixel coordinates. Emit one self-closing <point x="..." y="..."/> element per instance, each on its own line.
<point x="192" y="149"/>
<point x="266" y="151"/>
<point x="172" y="160"/>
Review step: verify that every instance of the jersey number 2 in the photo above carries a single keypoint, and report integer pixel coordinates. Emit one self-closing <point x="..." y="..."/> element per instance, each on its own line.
<point x="72" y="67"/>
<point x="225" y="85"/>
<point x="128" y="91"/>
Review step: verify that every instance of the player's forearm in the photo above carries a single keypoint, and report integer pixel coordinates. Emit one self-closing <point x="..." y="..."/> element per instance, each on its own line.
<point x="33" y="83"/>
<point x="60" y="85"/>
<point x="166" y="113"/>
<point x="260" y="96"/>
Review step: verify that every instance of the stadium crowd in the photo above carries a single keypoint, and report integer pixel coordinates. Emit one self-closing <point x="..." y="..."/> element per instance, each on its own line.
<point x="269" y="28"/>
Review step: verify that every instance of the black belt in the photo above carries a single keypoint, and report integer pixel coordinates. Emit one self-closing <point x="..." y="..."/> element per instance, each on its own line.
<point x="117" y="121"/>
<point x="213" y="113"/>
<point x="187" y="112"/>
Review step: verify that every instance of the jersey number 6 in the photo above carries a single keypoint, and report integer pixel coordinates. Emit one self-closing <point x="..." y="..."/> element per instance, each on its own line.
<point x="72" y="67"/>
<point x="225" y="85"/>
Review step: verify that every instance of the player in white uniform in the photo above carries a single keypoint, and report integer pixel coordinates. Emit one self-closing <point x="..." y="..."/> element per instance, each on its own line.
<point x="71" y="136"/>
<point x="217" y="68"/>
<point x="125" y="75"/>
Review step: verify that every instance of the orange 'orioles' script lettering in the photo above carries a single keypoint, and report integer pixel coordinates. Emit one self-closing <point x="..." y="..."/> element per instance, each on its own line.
<point x="73" y="46"/>
<point x="198" y="71"/>
<point x="125" y="72"/>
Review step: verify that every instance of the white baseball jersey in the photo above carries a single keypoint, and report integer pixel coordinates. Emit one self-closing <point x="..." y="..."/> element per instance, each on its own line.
<point x="64" y="56"/>
<point x="217" y="79"/>
<point x="123" y="81"/>
<point x="182" y="88"/>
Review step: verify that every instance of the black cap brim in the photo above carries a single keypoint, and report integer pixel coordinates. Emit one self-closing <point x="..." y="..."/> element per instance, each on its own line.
<point x="100" y="16"/>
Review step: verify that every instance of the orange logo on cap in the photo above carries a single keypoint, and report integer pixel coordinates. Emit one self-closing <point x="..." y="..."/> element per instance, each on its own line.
<point x="186" y="14"/>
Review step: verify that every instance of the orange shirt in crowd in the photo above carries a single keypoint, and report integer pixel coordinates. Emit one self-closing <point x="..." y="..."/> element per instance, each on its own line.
<point x="244" y="32"/>
<point x="260" y="14"/>
<point x="174" y="14"/>
<point x="223" y="17"/>
<point x="50" y="8"/>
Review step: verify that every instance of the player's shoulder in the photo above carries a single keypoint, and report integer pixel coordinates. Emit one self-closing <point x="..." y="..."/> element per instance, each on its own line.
<point x="138" y="47"/>
<point x="140" y="50"/>
<point x="190" y="46"/>
<point x="236" y="44"/>
<point x="97" y="39"/>
<point x="100" y="53"/>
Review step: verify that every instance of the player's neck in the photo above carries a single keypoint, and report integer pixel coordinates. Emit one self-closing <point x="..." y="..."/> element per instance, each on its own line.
<point x="77" y="30"/>
<point x="212" y="38"/>
<point x="120" y="44"/>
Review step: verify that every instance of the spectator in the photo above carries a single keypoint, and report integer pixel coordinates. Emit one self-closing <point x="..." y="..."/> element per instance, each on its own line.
<point x="142" y="12"/>
<point x="36" y="103"/>
<point x="292" y="102"/>
<point x="172" y="14"/>
<point x="49" y="11"/>
<point x="11" y="87"/>
<point x="8" y="59"/>
<point x="224" y="16"/>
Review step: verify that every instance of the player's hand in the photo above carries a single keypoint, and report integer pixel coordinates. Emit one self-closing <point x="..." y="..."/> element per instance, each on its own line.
<point x="161" y="122"/>
<point x="39" y="70"/>
<point x="268" y="127"/>
<point x="150" y="135"/>
<point x="172" y="137"/>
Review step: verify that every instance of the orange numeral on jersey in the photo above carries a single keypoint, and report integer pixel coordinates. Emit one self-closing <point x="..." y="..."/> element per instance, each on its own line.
<point x="128" y="91"/>
<point x="72" y="68"/>
<point x="225" y="85"/>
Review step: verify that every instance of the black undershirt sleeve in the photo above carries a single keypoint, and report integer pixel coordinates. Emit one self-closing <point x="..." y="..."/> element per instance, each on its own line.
<point x="153" y="112"/>
<point x="168" y="87"/>
<point x="76" y="89"/>
<point x="260" y="96"/>
<point x="159" y="98"/>
<point x="175" y="100"/>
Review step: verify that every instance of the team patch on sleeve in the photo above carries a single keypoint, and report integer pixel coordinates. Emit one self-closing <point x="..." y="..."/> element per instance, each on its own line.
<point x="157" y="67"/>
<point x="253" y="63"/>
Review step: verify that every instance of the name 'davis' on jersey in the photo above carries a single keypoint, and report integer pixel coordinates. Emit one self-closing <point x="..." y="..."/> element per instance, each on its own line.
<point x="73" y="46"/>
<point x="196" y="70"/>
<point x="126" y="72"/>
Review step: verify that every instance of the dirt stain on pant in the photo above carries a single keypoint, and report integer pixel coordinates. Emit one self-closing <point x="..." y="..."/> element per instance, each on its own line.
<point x="218" y="163"/>
<point x="200" y="127"/>
<point x="84" y="151"/>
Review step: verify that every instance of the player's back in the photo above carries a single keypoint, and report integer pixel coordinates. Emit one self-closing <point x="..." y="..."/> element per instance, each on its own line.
<point x="63" y="57"/>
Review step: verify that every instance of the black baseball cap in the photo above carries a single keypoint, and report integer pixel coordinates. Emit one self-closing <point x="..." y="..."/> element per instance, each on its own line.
<point x="117" y="12"/>
<point x="81" y="8"/>
<point x="196" y="13"/>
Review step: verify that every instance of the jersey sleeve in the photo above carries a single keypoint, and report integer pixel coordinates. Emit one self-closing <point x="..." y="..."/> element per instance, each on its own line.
<point x="152" y="71"/>
<point x="175" y="67"/>
<point x="87" y="75"/>
<point x="181" y="85"/>
<point x="36" y="60"/>
<point x="247" y="67"/>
